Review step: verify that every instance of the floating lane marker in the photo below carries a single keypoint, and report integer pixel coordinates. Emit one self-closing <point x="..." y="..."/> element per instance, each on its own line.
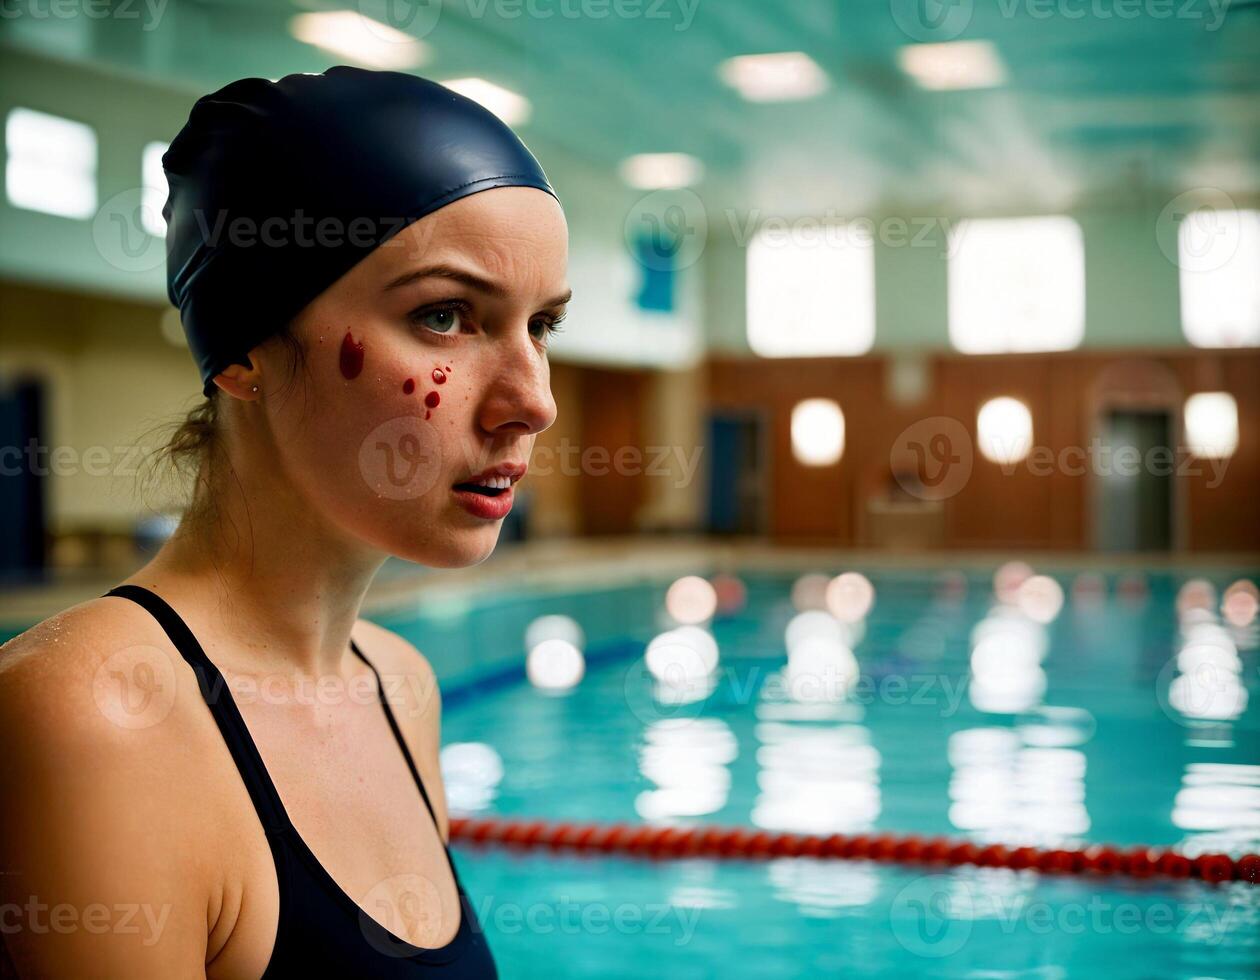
<point x="738" y="842"/>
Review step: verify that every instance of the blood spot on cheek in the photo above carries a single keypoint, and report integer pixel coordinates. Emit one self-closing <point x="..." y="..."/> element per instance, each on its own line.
<point x="409" y="386"/>
<point x="351" y="357"/>
<point x="432" y="400"/>
<point x="439" y="377"/>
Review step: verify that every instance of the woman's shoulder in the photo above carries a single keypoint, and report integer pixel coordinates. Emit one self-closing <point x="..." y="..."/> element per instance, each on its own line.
<point x="101" y="668"/>
<point x="398" y="659"/>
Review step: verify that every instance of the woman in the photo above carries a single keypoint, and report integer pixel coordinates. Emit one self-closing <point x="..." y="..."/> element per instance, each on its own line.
<point x="218" y="766"/>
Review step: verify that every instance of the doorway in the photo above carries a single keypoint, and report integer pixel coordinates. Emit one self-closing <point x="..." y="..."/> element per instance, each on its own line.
<point x="1134" y="495"/>
<point x="738" y="462"/>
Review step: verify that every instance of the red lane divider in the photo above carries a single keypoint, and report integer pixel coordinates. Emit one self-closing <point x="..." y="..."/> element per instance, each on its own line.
<point x="737" y="842"/>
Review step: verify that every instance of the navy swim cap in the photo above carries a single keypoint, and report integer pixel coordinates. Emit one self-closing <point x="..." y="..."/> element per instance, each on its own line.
<point x="277" y="189"/>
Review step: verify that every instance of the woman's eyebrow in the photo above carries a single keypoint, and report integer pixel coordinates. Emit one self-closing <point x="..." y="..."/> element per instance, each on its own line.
<point x="469" y="279"/>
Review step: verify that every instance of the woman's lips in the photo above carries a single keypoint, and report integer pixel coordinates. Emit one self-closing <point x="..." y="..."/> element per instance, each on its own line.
<point x="484" y="506"/>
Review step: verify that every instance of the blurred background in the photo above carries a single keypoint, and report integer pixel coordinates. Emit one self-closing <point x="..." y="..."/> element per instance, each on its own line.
<point x="879" y="275"/>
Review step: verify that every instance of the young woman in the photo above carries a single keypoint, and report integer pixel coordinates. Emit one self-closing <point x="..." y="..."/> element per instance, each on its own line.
<point x="218" y="768"/>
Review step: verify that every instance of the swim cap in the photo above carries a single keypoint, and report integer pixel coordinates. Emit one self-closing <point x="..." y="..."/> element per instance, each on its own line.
<point x="277" y="189"/>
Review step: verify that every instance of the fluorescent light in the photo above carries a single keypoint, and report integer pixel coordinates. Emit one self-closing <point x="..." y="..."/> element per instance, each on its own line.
<point x="360" y="39"/>
<point x="953" y="65"/>
<point x="655" y="171"/>
<point x="51" y="165"/>
<point x="777" y="77"/>
<point x="513" y="108"/>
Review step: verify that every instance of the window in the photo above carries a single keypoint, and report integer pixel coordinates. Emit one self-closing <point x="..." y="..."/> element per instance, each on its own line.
<point x="1016" y="284"/>
<point x="811" y="291"/>
<point x="817" y="432"/>
<point x="1212" y="424"/>
<point x="50" y="164"/>
<point x="1218" y="258"/>
<point x="155" y="189"/>
<point x="1004" y="430"/>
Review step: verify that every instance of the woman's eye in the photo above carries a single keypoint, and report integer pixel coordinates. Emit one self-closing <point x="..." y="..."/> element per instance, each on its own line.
<point x="439" y="321"/>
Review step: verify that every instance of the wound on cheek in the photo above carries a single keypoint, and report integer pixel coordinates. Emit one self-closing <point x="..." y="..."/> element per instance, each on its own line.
<point x="351" y="358"/>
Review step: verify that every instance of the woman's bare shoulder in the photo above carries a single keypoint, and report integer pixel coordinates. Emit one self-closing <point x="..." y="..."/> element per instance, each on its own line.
<point x="74" y="666"/>
<point x="399" y="661"/>
<point x="96" y="724"/>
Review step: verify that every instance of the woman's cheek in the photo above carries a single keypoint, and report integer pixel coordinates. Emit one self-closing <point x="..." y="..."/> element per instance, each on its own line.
<point x="428" y="389"/>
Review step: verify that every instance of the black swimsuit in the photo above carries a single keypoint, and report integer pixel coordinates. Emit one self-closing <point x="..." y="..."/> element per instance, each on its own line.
<point x="321" y="931"/>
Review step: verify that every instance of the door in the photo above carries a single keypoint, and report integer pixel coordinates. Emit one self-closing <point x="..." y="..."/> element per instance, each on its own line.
<point x="737" y="462"/>
<point x="1133" y="480"/>
<point x="21" y="480"/>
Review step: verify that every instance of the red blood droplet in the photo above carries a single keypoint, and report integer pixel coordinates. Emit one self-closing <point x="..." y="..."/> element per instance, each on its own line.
<point x="432" y="399"/>
<point x="439" y="376"/>
<point x="1249" y="868"/>
<point x="351" y="357"/>
<point x="409" y="386"/>
<point x="426" y="416"/>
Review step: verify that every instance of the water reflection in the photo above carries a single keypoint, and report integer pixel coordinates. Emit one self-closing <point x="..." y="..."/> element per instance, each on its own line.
<point x="817" y="779"/>
<point x="687" y="759"/>
<point x="1221" y="802"/>
<point x="1005" y="789"/>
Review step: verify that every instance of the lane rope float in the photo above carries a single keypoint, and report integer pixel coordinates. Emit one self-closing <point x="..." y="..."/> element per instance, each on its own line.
<point x="738" y="842"/>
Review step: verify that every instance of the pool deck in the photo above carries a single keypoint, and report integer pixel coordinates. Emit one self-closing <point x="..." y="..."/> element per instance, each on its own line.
<point x="593" y="562"/>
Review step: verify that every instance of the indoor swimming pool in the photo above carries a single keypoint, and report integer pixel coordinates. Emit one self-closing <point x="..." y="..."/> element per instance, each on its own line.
<point x="1051" y="711"/>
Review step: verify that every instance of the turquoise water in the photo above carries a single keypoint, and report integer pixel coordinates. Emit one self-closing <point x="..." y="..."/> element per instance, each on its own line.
<point x="1081" y="741"/>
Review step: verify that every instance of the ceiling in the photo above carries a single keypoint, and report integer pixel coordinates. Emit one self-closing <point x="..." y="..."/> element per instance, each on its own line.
<point x="1103" y="98"/>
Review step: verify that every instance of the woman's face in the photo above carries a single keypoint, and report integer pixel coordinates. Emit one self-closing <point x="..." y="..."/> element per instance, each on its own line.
<point x="426" y="365"/>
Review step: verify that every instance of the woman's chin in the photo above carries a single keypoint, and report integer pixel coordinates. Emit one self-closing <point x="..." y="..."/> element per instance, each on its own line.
<point x="458" y="551"/>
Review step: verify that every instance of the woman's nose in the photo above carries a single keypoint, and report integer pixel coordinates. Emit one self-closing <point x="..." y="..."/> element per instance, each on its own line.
<point x="519" y="397"/>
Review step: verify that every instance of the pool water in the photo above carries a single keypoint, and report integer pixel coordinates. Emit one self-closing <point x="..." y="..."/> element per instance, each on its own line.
<point x="968" y="719"/>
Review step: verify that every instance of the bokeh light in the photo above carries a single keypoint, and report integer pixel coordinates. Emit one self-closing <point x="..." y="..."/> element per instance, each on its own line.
<point x="691" y="600"/>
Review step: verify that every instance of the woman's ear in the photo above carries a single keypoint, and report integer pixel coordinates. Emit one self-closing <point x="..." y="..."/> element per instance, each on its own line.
<point x="240" y="381"/>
